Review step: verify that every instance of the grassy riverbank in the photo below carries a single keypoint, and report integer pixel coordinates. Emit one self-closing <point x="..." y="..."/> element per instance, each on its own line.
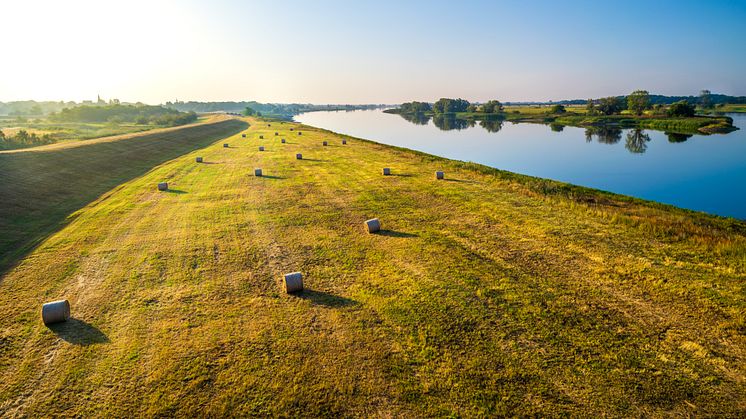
<point x="40" y="187"/>
<point x="486" y="294"/>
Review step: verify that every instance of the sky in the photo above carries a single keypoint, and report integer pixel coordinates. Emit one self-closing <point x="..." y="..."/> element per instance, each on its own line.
<point x="368" y="51"/>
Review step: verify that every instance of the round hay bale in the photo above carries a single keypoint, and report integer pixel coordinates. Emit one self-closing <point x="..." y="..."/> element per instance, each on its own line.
<point x="261" y="148"/>
<point x="291" y="129"/>
<point x="282" y="141"/>
<point x="243" y="135"/>
<point x="439" y="175"/>
<point x="276" y="134"/>
<point x="299" y="156"/>
<point x="300" y="133"/>
<point x="261" y="137"/>
<point x="225" y="145"/>
<point x="292" y="282"/>
<point x="163" y="186"/>
<point x="269" y="125"/>
<point x="325" y="144"/>
<point x="344" y="142"/>
<point x="373" y="225"/>
<point x="199" y="159"/>
<point x="55" y="312"/>
<point x="258" y="172"/>
<point x="386" y="171"/>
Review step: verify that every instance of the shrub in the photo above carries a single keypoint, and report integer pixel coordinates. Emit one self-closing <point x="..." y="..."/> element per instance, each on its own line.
<point x="681" y="108"/>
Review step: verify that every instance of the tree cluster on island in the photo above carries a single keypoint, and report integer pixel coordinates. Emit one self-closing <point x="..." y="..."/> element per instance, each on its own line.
<point x="638" y="102"/>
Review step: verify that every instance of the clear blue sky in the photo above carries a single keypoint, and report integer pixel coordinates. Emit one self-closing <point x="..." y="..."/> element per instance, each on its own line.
<point x="370" y="52"/>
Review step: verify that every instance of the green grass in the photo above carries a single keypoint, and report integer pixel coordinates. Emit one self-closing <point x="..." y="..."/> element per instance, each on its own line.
<point x="487" y="294"/>
<point x="40" y="189"/>
<point x="726" y="108"/>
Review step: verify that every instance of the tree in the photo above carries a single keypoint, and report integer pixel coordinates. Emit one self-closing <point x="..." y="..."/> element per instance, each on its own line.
<point x="471" y="108"/>
<point x="681" y="108"/>
<point x="609" y="105"/>
<point x="492" y="106"/>
<point x="638" y="101"/>
<point x="2" y="135"/>
<point x="557" y="109"/>
<point x="705" y="99"/>
<point x="248" y="111"/>
<point x="415" y="107"/>
<point x="590" y="107"/>
<point x="446" y="105"/>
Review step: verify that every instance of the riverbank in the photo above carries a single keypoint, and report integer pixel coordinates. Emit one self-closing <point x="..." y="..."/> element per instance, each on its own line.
<point x="700" y="124"/>
<point x="485" y="294"/>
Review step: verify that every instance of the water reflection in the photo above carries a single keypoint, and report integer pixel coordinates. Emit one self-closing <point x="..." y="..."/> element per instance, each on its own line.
<point x="491" y="125"/>
<point x="637" y="141"/>
<point x="416" y="118"/>
<point x="675" y="137"/>
<point x="449" y="122"/>
<point x="604" y="135"/>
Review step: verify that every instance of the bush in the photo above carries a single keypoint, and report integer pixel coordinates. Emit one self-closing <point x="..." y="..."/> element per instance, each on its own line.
<point x="23" y="139"/>
<point x="681" y="108"/>
<point x="445" y="105"/>
<point x="610" y="105"/>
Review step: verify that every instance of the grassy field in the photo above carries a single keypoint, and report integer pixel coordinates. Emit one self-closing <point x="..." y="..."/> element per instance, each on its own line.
<point x="486" y="294"/>
<point x="41" y="187"/>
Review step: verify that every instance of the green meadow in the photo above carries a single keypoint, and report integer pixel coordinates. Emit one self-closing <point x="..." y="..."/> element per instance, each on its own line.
<point x="42" y="188"/>
<point x="485" y="294"/>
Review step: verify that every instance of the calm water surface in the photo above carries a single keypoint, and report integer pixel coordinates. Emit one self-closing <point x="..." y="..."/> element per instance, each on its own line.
<point x="701" y="172"/>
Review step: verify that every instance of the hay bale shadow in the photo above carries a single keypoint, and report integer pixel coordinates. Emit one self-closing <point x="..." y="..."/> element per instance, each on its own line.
<point x="326" y="299"/>
<point x="319" y="160"/>
<point x="78" y="332"/>
<point x="272" y="177"/>
<point x="394" y="233"/>
<point x="402" y="174"/>
<point x="176" y="191"/>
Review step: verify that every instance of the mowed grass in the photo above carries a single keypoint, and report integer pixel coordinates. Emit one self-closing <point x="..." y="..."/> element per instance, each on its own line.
<point x="485" y="294"/>
<point x="40" y="188"/>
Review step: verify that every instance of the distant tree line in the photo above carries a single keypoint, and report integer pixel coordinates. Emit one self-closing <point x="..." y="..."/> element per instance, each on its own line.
<point x="156" y="115"/>
<point x="281" y="110"/>
<point x="639" y="101"/>
<point x="37" y="109"/>
<point x="448" y="105"/>
<point x="23" y="139"/>
<point x="415" y="107"/>
<point x="712" y="99"/>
